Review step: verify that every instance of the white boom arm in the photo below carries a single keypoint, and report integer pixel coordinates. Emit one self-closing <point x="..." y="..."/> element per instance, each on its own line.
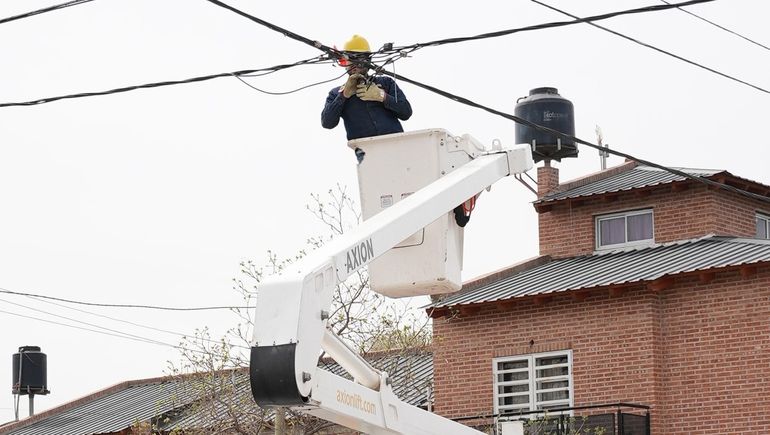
<point x="292" y="312"/>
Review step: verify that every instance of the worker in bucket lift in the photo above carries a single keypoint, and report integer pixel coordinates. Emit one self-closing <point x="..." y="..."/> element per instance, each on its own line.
<point x="368" y="105"/>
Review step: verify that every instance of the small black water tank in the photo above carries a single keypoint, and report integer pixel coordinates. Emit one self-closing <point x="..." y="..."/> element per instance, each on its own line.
<point x="33" y="373"/>
<point x="544" y="106"/>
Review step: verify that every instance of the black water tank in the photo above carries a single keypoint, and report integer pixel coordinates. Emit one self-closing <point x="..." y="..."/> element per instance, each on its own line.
<point x="33" y="376"/>
<point x="544" y="106"/>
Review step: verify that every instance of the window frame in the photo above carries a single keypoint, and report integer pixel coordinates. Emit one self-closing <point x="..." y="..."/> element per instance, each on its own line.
<point x="624" y="214"/>
<point x="532" y="381"/>
<point x="765" y="217"/>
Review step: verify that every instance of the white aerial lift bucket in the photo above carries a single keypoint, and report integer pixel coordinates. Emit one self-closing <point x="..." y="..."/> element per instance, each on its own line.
<point x="394" y="167"/>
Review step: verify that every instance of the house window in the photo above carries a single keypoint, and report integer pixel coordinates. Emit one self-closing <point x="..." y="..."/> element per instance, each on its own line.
<point x="533" y="382"/>
<point x="624" y="229"/>
<point x="763" y="226"/>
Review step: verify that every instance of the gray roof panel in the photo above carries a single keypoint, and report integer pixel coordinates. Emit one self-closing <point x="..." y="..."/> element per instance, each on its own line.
<point x="107" y="413"/>
<point x="618" y="267"/>
<point x="640" y="176"/>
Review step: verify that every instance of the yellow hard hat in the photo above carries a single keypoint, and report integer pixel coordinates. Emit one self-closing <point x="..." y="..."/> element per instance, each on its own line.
<point x="357" y="43"/>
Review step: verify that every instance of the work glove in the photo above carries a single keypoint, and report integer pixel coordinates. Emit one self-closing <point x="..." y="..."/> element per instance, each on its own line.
<point x="350" y="85"/>
<point x="370" y="92"/>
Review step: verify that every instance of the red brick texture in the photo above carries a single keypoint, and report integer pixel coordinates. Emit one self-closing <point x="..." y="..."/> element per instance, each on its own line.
<point x="699" y="354"/>
<point x="681" y="210"/>
<point x="547" y="179"/>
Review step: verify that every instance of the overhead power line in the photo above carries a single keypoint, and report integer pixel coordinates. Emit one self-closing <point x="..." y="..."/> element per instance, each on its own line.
<point x="291" y="91"/>
<point x="105" y="305"/>
<point x="332" y="52"/>
<point x="268" y="70"/>
<point x="118" y="335"/>
<point x="539" y="127"/>
<point x="113" y="331"/>
<point x="271" y="26"/>
<point x="548" y="25"/>
<point x="127" y="322"/>
<point x="77" y="327"/>
<point x="44" y="10"/>
<point x="659" y="50"/>
<point x="719" y="26"/>
<point x="514" y="118"/>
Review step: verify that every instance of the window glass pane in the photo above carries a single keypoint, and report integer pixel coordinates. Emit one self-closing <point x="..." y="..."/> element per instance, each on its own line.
<point x="507" y="389"/>
<point x="612" y="231"/>
<point x="551" y="360"/>
<point x="510" y="365"/>
<point x="553" y="395"/>
<point x="557" y="371"/>
<point x="761" y="228"/>
<point x="516" y="376"/>
<point x="549" y="385"/>
<point x="514" y="400"/>
<point x="639" y="227"/>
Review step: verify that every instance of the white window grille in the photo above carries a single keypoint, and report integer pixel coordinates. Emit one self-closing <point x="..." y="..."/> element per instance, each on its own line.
<point x="533" y="382"/>
<point x="763" y="226"/>
<point x="619" y="230"/>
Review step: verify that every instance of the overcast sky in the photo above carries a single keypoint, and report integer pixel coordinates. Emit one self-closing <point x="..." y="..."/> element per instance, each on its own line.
<point x="155" y="196"/>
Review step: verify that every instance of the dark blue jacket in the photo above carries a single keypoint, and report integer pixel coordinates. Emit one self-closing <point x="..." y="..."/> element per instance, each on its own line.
<point x="367" y="118"/>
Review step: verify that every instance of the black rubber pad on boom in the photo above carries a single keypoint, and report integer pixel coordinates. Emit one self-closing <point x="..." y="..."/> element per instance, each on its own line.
<point x="272" y="376"/>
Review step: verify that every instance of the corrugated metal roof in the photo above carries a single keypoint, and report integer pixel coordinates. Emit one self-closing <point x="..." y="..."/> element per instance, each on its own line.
<point x="640" y="176"/>
<point x="411" y="374"/>
<point x="618" y="267"/>
<point x="111" y="412"/>
<point x="212" y="410"/>
<point x="176" y="400"/>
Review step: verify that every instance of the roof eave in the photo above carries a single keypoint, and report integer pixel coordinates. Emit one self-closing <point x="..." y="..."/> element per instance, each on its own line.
<point x="655" y="285"/>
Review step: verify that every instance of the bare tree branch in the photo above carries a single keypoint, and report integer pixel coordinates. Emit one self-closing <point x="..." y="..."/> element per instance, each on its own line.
<point x="366" y="320"/>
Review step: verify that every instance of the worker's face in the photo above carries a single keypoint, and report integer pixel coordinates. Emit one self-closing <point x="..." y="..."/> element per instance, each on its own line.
<point x="357" y="69"/>
<point x="356" y="66"/>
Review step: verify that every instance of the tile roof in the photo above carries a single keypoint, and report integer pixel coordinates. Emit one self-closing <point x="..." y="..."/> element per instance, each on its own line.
<point x="625" y="177"/>
<point x="617" y="267"/>
<point x="174" y="400"/>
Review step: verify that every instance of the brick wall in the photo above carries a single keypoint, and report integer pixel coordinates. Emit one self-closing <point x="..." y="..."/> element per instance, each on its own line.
<point x="681" y="211"/>
<point x="603" y="332"/>
<point x="547" y="179"/>
<point x="716" y="348"/>
<point x="699" y="354"/>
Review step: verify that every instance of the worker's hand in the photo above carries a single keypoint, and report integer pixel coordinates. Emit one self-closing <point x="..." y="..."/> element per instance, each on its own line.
<point x="370" y="92"/>
<point x="350" y="85"/>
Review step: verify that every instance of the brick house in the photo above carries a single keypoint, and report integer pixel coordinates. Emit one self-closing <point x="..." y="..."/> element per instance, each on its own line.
<point x="650" y="288"/>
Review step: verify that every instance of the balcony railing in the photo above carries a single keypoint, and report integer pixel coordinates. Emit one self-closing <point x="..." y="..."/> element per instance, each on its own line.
<point x="605" y="419"/>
